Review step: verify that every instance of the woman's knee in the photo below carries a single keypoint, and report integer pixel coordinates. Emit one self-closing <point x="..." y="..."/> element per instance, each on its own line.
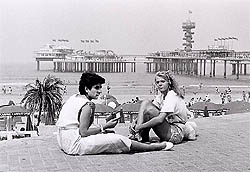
<point x="145" y="103"/>
<point x="148" y="109"/>
<point x="151" y="112"/>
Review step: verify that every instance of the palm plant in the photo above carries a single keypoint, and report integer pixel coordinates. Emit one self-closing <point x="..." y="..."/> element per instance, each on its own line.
<point x="45" y="96"/>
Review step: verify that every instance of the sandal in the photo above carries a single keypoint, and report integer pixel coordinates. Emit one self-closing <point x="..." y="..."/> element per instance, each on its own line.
<point x="134" y="135"/>
<point x="132" y="129"/>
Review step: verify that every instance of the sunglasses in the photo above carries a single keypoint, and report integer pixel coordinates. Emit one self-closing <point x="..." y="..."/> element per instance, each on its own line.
<point x="97" y="87"/>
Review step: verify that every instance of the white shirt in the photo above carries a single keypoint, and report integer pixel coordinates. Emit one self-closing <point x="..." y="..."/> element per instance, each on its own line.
<point x="68" y="116"/>
<point x="172" y="104"/>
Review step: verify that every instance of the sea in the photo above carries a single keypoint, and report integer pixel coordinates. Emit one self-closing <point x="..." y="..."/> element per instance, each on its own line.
<point x="124" y="86"/>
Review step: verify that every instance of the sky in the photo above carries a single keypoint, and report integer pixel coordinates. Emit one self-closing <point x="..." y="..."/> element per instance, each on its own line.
<point x="124" y="26"/>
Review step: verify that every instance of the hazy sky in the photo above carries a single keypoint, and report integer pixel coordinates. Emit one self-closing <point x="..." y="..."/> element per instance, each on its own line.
<point x="125" y="26"/>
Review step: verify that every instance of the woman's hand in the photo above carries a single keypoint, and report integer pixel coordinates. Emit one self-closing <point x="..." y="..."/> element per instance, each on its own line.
<point x="137" y="128"/>
<point x="111" y="124"/>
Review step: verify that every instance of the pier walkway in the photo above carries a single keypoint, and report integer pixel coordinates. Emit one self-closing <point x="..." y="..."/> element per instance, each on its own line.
<point x="223" y="145"/>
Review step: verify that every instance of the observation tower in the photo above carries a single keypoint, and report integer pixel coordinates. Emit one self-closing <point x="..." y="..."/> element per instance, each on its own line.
<point x="187" y="27"/>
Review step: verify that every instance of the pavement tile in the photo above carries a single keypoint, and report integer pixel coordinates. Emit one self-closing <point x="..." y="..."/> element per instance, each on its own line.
<point x="223" y="144"/>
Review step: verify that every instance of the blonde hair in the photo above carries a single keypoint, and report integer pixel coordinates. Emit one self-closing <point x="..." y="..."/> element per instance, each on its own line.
<point x="173" y="85"/>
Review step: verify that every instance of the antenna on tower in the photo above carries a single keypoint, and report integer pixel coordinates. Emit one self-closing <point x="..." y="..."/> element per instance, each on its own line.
<point x="189" y="14"/>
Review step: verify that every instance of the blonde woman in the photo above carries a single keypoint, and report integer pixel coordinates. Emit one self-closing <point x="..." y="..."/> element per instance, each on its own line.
<point x="166" y="114"/>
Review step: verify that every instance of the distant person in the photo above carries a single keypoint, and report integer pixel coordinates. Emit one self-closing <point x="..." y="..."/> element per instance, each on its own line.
<point x="108" y="89"/>
<point x="192" y="101"/>
<point x="244" y="96"/>
<point x="200" y="85"/>
<point x="223" y="97"/>
<point x="184" y="90"/>
<point x="206" y="98"/>
<point x="229" y="98"/>
<point x="217" y="90"/>
<point x="166" y="115"/>
<point x="4" y="89"/>
<point x="10" y="90"/>
<point x="76" y="136"/>
<point x="65" y="90"/>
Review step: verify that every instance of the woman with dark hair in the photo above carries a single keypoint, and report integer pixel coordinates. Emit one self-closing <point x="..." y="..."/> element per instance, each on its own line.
<point x="77" y="137"/>
<point x="166" y="114"/>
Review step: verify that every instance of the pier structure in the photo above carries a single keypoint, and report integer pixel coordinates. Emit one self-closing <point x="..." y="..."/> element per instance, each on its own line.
<point x="195" y="62"/>
<point x="100" y="66"/>
<point x="49" y="52"/>
<point x="68" y="60"/>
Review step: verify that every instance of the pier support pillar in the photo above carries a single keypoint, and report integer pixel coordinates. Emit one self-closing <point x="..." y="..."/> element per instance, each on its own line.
<point x="211" y="67"/>
<point x="225" y="69"/>
<point x="204" y="70"/>
<point x="214" y="68"/>
<point x="233" y="69"/>
<point x="54" y="63"/>
<point x="38" y="65"/>
<point x="238" y="70"/>
<point x="245" y="69"/>
<point x="200" y="67"/>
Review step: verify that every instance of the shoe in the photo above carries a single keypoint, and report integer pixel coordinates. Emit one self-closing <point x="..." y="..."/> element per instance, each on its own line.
<point x="134" y="135"/>
<point x="132" y="129"/>
<point x="169" y="146"/>
<point x="138" y="137"/>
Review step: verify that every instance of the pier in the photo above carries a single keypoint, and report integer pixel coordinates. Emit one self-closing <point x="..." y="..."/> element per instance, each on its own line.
<point x="66" y="59"/>
<point x="195" y="62"/>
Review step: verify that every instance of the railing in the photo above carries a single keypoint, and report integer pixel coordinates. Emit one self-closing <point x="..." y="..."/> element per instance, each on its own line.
<point x="203" y="54"/>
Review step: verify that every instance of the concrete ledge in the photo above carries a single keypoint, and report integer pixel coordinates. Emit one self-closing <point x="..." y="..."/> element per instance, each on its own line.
<point x="10" y="134"/>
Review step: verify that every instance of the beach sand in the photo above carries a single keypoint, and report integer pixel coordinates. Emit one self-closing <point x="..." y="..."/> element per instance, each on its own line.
<point x="124" y="86"/>
<point x="127" y="93"/>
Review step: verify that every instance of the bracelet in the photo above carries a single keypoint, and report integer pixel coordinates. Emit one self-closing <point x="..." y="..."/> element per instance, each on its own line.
<point x="101" y="127"/>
